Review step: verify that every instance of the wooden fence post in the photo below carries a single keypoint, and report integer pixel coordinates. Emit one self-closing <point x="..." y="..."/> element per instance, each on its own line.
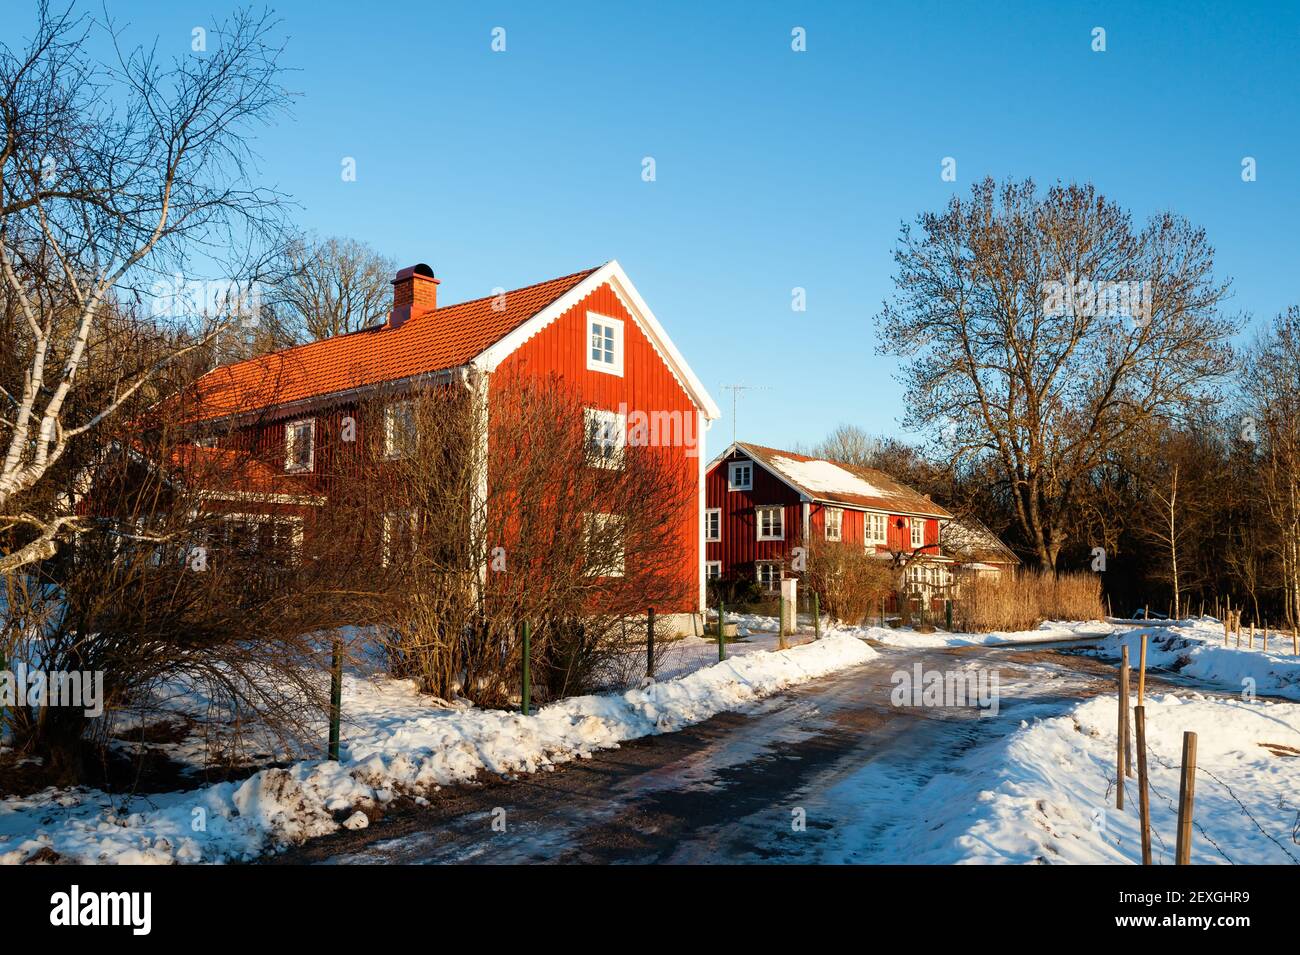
<point x="817" y="616"/>
<point x="1295" y="640"/>
<point x="1186" y="798"/>
<point x="1142" y="672"/>
<point x="1124" y="713"/>
<point x="650" y="644"/>
<point x="1119" y="745"/>
<point x="1144" y="803"/>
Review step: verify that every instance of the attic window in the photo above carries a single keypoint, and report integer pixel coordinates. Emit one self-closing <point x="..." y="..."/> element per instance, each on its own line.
<point x="300" y="445"/>
<point x="918" y="532"/>
<point x="740" y="476"/>
<point x="604" y="344"/>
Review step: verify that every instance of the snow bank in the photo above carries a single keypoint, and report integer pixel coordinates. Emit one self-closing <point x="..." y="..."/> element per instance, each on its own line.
<point x="1049" y="632"/>
<point x="395" y="745"/>
<point x="1194" y="648"/>
<point x="1050" y="797"/>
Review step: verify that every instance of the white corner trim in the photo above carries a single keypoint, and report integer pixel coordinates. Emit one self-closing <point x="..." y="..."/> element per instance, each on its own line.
<point x="612" y="273"/>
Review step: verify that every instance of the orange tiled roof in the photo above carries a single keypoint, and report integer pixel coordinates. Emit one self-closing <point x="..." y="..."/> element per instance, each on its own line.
<point x="887" y="494"/>
<point x="447" y="337"/>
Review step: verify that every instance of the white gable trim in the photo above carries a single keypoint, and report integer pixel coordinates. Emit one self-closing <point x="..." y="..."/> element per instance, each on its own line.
<point x="612" y="273"/>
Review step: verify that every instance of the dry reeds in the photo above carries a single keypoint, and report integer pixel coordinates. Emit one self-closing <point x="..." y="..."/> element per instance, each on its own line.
<point x="1024" y="600"/>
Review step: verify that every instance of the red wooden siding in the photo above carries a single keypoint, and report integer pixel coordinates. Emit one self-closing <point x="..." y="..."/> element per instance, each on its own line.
<point x="740" y="548"/>
<point x="647" y="384"/>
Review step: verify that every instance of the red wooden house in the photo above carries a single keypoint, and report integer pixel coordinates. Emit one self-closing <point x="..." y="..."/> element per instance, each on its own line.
<point x="292" y="408"/>
<point x="762" y="503"/>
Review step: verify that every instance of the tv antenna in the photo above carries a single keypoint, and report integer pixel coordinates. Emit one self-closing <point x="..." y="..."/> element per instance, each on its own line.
<point x="735" y="394"/>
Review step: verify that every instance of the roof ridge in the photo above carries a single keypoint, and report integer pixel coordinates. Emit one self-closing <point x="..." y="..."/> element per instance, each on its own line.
<point x="282" y="353"/>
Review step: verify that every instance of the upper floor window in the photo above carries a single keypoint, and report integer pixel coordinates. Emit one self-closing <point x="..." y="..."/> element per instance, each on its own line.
<point x="399" y="429"/>
<point x="740" y="476"/>
<point x="834" y="522"/>
<point x="713" y="524"/>
<point x="771" y="523"/>
<point x="606" y="437"/>
<point x="300" y="445"/>
<point x="604" y="344"/>
<point x="877" y="527"/>
<point x="918" y="532"/>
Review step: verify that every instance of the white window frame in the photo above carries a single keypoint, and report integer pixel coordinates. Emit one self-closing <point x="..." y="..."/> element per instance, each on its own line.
<point x="777" y="573"/>
<point x="916" y="527"/>
<point x="257" y="520"/>
<point x="778" y="532"/>
<point x="839" y="523"/>
<point x="386" y="556"/>
<point x="713" y="570"/>
<point x="614" y="328"/>
<point x="870" y="522"/>
<point x="713" y="524"/>
<point x="733" y="468"/>
<point x="290" y="446"/>
<point x="391" y="451"/>
<point x="599" y="427"/>
<point x="595" y="522"/>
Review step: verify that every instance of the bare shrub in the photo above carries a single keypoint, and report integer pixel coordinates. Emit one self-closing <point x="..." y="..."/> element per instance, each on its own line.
<point x="849" y="582"/>
<point x="1024" y="600"/>
<point x="496" y="512"/>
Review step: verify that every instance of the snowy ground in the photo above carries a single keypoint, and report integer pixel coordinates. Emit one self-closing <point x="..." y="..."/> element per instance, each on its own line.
<point x="396" y="744"/>
<point x="1046" y="793"/>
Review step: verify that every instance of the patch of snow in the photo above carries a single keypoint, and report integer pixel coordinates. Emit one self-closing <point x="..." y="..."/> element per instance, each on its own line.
<point x="825" y="477"/>
<point x="1045" y="793"/>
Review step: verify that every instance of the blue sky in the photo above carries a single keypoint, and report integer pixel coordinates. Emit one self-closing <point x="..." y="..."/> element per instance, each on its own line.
<point x="774" y="169"/>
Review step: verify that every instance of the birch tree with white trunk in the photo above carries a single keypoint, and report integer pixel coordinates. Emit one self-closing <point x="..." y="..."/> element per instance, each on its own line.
<point x="126" y="183"/>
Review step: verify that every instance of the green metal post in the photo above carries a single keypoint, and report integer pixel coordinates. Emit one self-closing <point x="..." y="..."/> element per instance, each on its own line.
<point x="780" y="620"/>
<point x="650" y="644"/>
<point x="528" y="690"/>
<point x="722" y="616"/>
<point x="817" y="616"/>
<point x="947" y="610"/>
<point x="336" y="699"/>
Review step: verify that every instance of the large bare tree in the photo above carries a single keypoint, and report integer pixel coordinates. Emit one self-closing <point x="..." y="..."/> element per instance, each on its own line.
<point x="126" y="193"/>
<point x="1040" y="329"/>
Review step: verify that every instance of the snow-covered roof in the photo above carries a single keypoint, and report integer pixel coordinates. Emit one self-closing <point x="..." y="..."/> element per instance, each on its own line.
<point x="969" y="540"/>
<point x="835" y="482"/>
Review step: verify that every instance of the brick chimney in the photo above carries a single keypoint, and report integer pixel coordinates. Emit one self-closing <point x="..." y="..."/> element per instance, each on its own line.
<point x="415" y="293"/>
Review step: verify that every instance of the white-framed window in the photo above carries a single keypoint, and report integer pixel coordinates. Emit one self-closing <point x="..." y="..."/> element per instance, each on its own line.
<point x="769" y="574"/>
<point x="275" y="537"/>
<point x="604" y="344"/>
<point x="300" y="445"/>
<point x="713" y="524"/>
<point x="713" y="570"/>
<point x="834" y="522"/>
<point x="877" y="528"/>
<point x="771" y="523"/>
<point x="918" y="532"/>
<point x="740" y="476"/>
<point x="605" y="554"/>
<point x="398" y="537"/>
<point x="606" y="437"/>
<point x="399" y="429"/>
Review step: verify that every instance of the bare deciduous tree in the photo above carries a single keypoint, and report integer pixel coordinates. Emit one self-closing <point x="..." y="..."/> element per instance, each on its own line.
<point x="1040" y="329"/>
<point x="118" y="179"/>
